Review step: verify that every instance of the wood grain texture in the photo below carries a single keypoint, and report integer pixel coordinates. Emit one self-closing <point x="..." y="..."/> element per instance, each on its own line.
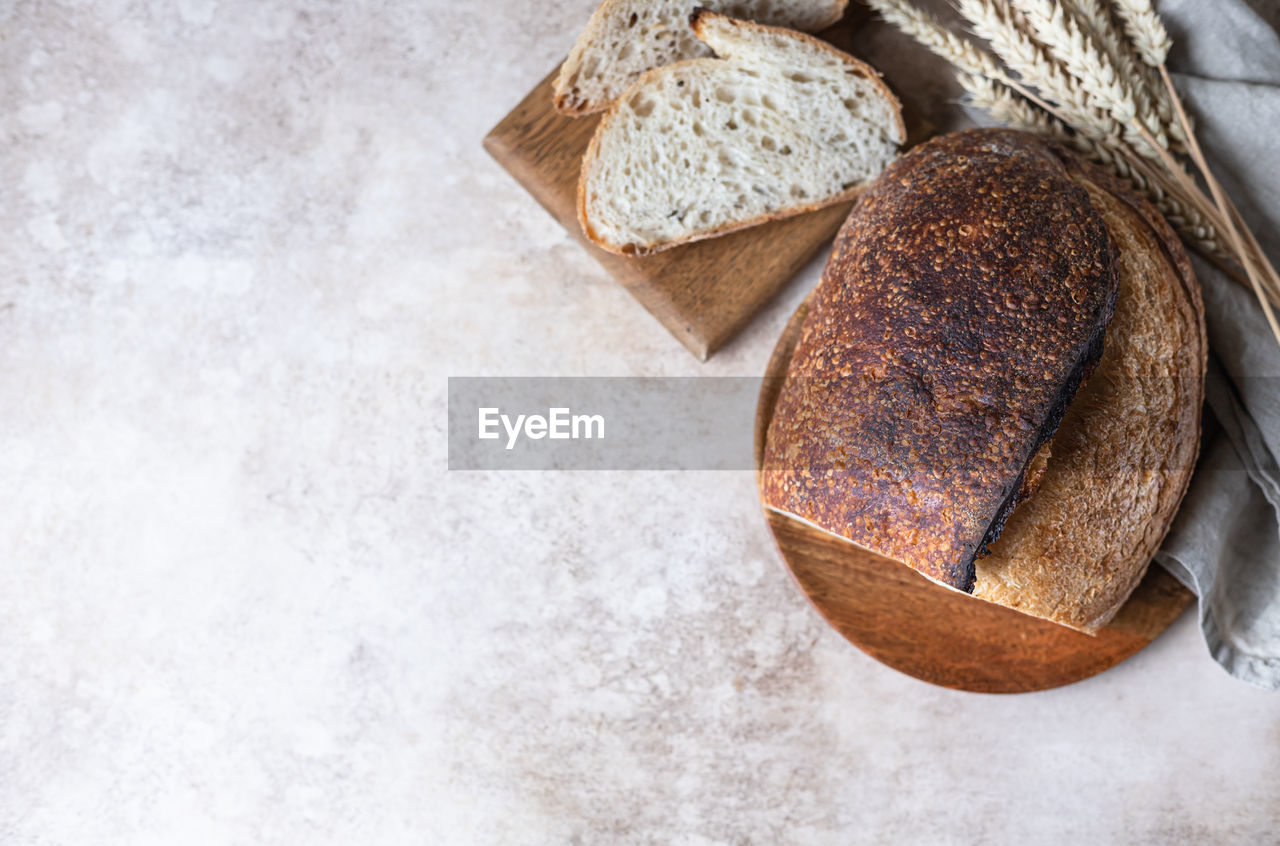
<point x="941" y="636"/>
<point x="703" y="292"/>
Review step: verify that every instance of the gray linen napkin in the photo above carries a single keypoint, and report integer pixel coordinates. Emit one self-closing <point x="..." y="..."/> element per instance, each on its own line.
<point x="1225" y="543"/>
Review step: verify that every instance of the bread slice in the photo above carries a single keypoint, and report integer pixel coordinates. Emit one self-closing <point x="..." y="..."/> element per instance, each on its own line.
<point x="625" y="38"/>
<point x="780" y="123"/>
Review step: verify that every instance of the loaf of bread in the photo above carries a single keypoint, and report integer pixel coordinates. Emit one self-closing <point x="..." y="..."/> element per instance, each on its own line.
<point x="625" y="38"/>
<point x="1125" y="451"/>
<point x="777" y="124"/>
<point x="967" y="298"/>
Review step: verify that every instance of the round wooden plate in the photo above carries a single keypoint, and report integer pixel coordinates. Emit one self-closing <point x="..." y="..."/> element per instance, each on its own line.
<point x="902" y="619"/>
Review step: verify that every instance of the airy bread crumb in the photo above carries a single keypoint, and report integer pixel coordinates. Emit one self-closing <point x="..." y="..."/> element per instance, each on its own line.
<point x="780" y="123"/>
<point x="625" y="38"/>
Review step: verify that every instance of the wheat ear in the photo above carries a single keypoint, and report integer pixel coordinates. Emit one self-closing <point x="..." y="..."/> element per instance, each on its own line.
<point x="1003" y="104"/>
<point x="1002" y="28"/>
<point x="1093" y="70"/>
<point x="927" y="30"/>
<point x="1151" y="40"/>
<point x="1147" y="86"/>
<point x="1146" y="30"/>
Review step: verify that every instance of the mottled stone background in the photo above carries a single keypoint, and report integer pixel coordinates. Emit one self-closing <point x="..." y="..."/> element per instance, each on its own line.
<point x="243" y="601"/>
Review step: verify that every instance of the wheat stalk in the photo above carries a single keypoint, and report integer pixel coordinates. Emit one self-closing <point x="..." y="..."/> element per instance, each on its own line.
<point x="926" y="29"/>
<point x="1147" y="87"/>
<point x="1008" y="32"/>
<point x="1002" y="27"/>
<point x="1006" y="106"/>
<point x="1094" y="71"/>
<point x="1146" y="30"/>
<point x="1074" y="77"/>
<point x="1262" y="274"/>
<point x="1003" y="104"/>
<point x="1151" y="40"/>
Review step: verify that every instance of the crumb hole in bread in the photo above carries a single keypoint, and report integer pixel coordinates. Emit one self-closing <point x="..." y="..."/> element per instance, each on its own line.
<point x="786" y="150"/>
<point x="624" y="51"/>
<point x="731" y="125"/>
<point x="796" y="76"/>
<point x="768" y="103"/>
<point x="724" y="95"/>
<point x="704" y="216"/>
<point x="749" y="118"/>
<point x="631" y="21"/>
<point x="798" y="192"/>
<point x="641" y="106"/>
<point x="768" y="143"/>
<point x="697" y="128"/>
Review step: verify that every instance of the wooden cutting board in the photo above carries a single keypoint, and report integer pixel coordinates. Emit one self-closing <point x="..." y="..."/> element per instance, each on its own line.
<point x="704" y="292"/>
<point x="902" y="619"/>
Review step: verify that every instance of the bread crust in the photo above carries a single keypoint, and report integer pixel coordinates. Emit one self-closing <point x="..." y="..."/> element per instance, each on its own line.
<point x="599" y="18"/>
<point x="965" y="299"/>
<point x="698" y="19"/>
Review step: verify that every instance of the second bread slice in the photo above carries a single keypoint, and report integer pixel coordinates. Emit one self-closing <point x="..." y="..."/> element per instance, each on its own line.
<point x="625" y="38"/>
<point x="780" y="123"/>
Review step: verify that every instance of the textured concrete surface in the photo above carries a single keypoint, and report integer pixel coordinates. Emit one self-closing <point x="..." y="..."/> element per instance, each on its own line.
<point x="242" y="599"/>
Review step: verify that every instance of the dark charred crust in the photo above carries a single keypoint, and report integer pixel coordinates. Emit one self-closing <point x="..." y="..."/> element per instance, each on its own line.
<point x="1016" y="496"/>
<point x="965" y="301"/>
